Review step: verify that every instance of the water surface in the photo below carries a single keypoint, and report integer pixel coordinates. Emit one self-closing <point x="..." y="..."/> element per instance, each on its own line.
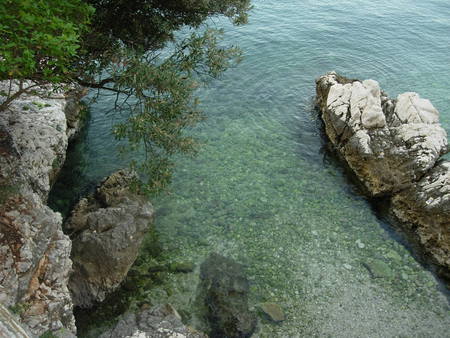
<point x="264" y="191"/>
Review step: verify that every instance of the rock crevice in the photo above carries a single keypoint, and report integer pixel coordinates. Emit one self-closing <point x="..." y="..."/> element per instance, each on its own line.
<point x="34" y="252"/>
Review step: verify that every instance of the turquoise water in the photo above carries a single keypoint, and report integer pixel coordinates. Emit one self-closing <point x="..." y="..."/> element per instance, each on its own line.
<point x="264" y="190"/>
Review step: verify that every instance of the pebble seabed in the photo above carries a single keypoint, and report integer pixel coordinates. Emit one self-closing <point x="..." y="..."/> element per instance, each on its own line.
<point x="264" y="191"/>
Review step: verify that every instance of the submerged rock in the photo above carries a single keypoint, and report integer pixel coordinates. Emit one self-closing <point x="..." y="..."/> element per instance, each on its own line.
<point x="108" y="230"/>
<point x="273" y="311"/>
<point x="393" y="147"/>
<point x="34" y="252"/>
<point x="378" y="269"/>
<point x="225" y="288"/>
<point x="161" y="321"/>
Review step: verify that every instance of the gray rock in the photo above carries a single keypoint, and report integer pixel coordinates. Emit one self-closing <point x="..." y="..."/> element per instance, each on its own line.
<point x="387" y="149"/>
<point x="34" y="253"/>
<point x="273" y="311"/>
<point x="225" y="288"/>
<point x="109" y="227"/>
<point x="425" y="209"/>
<point x="161" y="321"/>
<point x="394" y="148"/>
<point x="10" y="326"/>
<point x="378" y="269"/>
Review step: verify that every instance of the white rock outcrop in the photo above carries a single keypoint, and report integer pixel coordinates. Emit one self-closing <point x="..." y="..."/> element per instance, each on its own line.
<point x="34" y="252"/>
<point x="393" y="147"/>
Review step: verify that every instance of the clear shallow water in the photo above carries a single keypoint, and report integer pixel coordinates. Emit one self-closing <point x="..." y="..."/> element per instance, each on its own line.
<point x="264" y="191"/>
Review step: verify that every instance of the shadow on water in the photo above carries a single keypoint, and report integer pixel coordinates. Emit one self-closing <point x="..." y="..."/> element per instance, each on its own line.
<point x="72" y="183"/>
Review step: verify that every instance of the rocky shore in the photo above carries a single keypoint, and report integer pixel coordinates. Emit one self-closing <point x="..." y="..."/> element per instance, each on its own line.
<point x="34" y="252"/>
<point x="394" y="147"/>
<point x="43" y="272"/>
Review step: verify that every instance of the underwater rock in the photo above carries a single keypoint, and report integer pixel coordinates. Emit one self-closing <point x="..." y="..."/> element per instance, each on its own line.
<point x="225" y="288"/>
<point x="34" y="252"/>
<point x="108" y="226"/>
<point x="161" y="321"/>
<point x="378" y="269"/>
<point x="394" y="148"/>
<point x="273" y="311"/>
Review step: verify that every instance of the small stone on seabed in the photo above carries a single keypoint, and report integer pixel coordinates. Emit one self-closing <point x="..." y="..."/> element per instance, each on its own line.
<point x="360" y="244"/>
<point x="379" y="269"/>
<point x="348" y="266"/>
<point x="274" y="311"/>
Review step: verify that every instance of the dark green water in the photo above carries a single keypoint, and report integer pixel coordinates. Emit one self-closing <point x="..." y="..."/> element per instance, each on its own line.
<point x="264" y="191"/>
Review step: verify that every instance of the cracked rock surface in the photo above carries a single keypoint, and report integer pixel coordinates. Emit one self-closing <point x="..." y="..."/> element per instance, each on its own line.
<point x="108" y="227"/>
<point x="393" y="146"/>
<point x="161" y="321"/>
<point x="34" y="252"/>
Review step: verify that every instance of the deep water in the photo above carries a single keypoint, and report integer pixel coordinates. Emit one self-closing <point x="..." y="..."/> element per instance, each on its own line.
<point x="265" y="191"/>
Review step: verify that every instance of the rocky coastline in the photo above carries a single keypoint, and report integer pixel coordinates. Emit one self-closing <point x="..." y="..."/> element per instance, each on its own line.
<point x="394" y="148"/>
<point x="44" y="273"/>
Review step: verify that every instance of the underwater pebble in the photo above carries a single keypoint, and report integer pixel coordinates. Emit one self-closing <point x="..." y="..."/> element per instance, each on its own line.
<point x="360" y="244"/>
<point x="274" y="311"/>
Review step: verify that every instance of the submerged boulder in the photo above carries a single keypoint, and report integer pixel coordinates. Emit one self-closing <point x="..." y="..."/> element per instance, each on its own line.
<point x="161" y="321"/>
<point x="225" y="288"/>
<point x="394" y="148"/>
<point x="108" y="227"/>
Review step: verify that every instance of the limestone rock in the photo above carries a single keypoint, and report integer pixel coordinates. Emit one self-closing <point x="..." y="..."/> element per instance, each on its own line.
<point x="388" y="143"/>
<point x="34" y="253"/>
<point x="425" y="208"/>
<point x="10" y="326"/>
<point x="225" y="288"/>
<point x="109" y="227"/>
<point x="160" y="321"/>
<point x="394" y="148"/>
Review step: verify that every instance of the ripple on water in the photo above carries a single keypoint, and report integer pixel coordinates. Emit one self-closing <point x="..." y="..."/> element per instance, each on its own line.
<point x="263" y="191"/>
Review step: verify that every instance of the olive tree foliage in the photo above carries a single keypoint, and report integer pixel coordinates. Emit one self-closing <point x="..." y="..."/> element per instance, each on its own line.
<point x="39" y="40"/>
<point x="132" y="49"/>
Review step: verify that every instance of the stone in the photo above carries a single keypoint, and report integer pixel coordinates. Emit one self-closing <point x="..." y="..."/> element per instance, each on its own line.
<point x="161" y="321"/>
<point x="347" y="266"/>
<point x="378" y="269"/>
<point x="34" y="253"/>
<point x="10" y="326"/>
<point x="424" y="209"/>
<point x="387" y="149"/>
<point x="109" y="227"/>
<point x="224" y="291"/>
<point x="184" y="267"/>
<point x="273" y="311"/>
<point x="394" y="147"/>
<point x="391" y="254"/>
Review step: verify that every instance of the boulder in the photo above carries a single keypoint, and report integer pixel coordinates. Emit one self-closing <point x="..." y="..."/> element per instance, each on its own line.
<point x="34" y="252"/>
<point x="224" y="288"/>
<point x="425" y="209"/>
<point x="394" y="148"/>
<point x="108" y="228"/>
<point x="161" y="321"/>
<point x="389" y="144"/>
